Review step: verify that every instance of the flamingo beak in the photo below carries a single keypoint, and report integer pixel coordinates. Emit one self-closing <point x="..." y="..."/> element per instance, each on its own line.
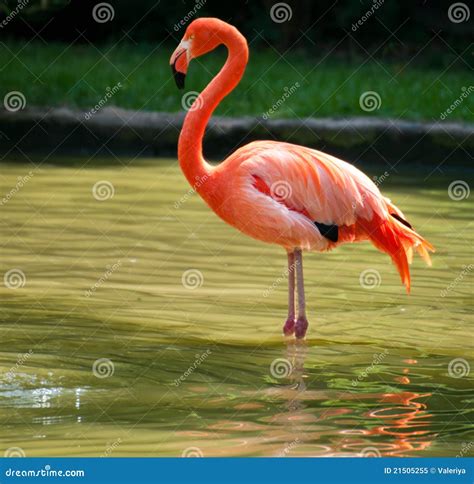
<point x="179" y="63"/>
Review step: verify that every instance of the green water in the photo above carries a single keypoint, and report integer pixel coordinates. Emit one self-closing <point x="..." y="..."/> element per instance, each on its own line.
<point x="195" y="361"/>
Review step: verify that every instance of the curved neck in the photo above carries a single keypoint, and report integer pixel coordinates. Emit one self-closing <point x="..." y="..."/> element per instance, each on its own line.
<point x="191" y="160"/>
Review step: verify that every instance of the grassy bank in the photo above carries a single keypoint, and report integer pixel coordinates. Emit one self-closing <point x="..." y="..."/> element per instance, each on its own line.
<point x="296" y="86"/>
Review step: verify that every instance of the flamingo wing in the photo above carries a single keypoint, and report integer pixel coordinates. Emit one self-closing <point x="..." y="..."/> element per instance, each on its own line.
<point x="301" y="186"/>
<point x="327" y="189"/>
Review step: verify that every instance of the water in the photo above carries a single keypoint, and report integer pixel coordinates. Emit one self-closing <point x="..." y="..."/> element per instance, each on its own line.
<point x="113" y="347"/>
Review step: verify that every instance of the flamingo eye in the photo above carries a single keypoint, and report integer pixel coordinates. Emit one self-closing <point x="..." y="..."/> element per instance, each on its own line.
<point x="191" y="37"/>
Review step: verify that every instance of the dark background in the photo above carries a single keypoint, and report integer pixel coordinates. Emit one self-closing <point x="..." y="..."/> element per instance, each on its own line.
<point x="314" y="25"/>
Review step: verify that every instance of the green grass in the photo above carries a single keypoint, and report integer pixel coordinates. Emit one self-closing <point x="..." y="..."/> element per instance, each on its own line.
<point x="79" y="76"/>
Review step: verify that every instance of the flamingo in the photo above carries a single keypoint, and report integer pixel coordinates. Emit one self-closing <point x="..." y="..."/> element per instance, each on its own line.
<point x="281" y="193"/>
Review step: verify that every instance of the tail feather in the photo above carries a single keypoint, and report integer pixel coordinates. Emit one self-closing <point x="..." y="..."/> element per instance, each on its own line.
<point x="395" y="238"/>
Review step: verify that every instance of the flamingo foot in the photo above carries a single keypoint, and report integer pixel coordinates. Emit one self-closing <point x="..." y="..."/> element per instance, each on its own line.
<point x="289" y="327"/>
<point x="300" y="327"/>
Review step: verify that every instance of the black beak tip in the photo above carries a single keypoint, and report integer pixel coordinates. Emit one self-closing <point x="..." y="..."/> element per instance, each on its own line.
<point x="179" y="77"/>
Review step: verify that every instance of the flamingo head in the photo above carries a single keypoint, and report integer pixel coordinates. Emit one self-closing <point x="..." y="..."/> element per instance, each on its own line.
<point x="201" y="36"/>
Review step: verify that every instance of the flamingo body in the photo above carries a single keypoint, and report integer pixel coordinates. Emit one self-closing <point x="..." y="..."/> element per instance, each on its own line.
<point x="281" y="193"/>
<point x="275" y="192"/>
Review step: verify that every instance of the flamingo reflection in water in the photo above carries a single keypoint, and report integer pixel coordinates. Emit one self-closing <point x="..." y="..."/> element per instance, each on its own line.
<point x="401" y="421"/>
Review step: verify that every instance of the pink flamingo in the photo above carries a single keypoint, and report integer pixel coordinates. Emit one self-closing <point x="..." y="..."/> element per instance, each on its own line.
<point x="280" y="193"/>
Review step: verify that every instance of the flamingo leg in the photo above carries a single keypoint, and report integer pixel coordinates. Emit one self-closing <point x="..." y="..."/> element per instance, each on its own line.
<point x="289" y="327"/>
<point x="301" y="323"/>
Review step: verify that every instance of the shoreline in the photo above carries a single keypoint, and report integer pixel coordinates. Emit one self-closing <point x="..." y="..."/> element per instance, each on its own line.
<point x="115" y="131"/>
